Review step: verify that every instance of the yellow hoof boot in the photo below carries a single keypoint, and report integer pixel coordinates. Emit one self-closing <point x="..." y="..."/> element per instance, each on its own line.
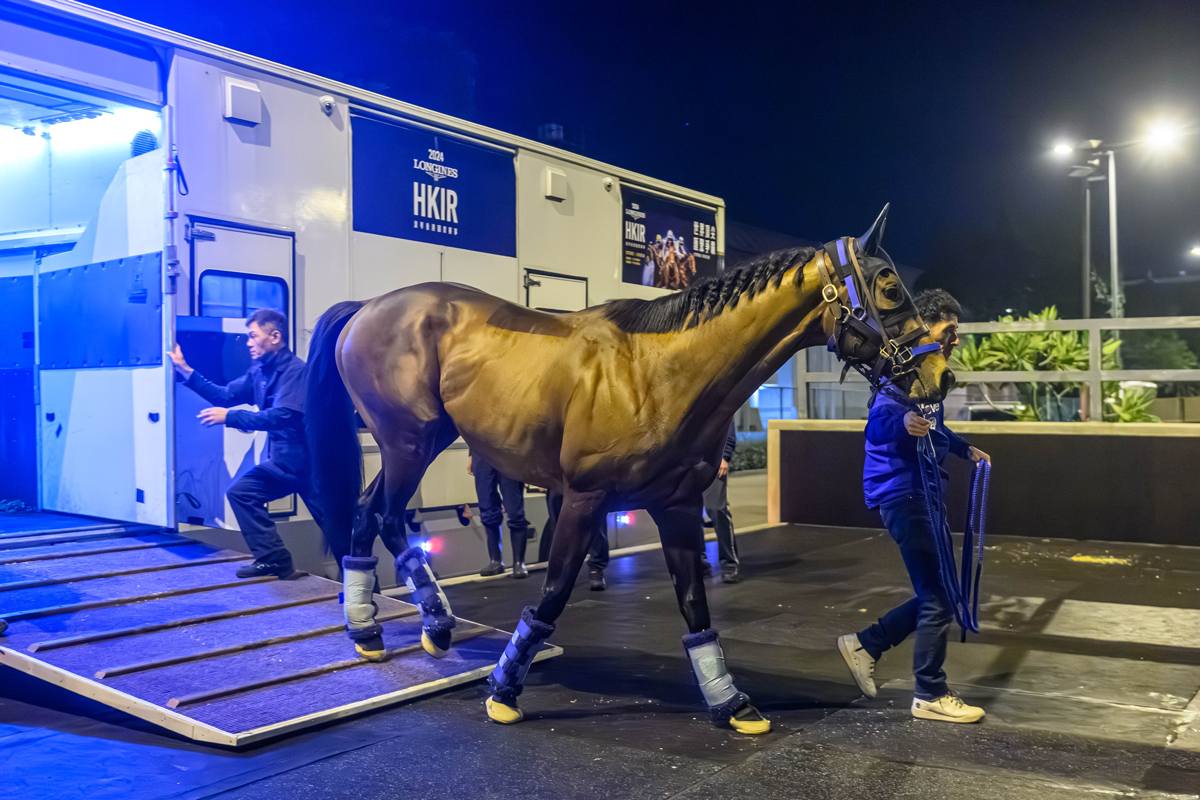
<point x="752" y="727"/>
<point x="432" y="647"/>
<point x="370" y="655"/>
<point x="504" y="714"/>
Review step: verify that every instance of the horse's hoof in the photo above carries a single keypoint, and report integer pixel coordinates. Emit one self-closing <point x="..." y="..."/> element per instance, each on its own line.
<point x="499" y="711"/>
<point x="372" y="652"/>
<point x="747" y="720"/>
<point x="438" y="645"/>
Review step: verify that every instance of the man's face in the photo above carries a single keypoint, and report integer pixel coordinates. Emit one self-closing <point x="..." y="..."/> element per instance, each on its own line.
<point x="945" y="332"/>
<point x="263" y="340"/>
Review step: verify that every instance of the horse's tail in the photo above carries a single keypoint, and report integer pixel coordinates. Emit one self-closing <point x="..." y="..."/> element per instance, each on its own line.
<point x="332" y="431"/>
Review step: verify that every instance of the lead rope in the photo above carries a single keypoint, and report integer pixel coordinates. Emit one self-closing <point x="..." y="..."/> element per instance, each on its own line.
<point x="962" y="589"/>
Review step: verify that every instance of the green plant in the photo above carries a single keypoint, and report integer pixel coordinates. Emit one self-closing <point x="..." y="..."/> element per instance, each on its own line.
<point x="1030" y="351"/>
<point x="750" y="454"/>
<point x="1130" y="404"/>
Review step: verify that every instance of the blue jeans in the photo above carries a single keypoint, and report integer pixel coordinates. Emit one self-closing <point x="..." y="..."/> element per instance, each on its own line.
<point x="929" y="613"/>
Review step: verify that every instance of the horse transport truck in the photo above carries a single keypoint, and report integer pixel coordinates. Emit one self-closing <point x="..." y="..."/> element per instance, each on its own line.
<point x="156" y="189"/>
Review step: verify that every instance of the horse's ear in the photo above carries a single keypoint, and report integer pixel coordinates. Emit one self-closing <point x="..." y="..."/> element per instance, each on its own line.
<point x="870" y="241"/>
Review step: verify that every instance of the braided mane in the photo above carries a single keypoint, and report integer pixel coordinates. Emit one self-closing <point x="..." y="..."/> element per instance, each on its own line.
<point x="707" y="297"/>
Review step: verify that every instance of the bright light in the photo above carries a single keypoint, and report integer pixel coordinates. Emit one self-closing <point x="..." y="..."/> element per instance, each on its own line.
<point x="426" y="546"/>
<point x="1062" y="148"/>
<point x="1196" y="251"/>
<point x="116" y="128"/>
<point x="624" y="519"/>
<point x="15" y="145"/>
<point x="1164" y="134"/>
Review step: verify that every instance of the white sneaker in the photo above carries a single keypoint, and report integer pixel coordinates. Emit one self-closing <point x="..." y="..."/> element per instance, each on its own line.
<point x="861" y="665"/>
<point x="947" y="708"/>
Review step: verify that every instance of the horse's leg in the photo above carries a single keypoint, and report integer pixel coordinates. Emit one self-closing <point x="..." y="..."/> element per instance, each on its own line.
<point x="358" y="574"/>
<point x="681" y="530"/>
<point x="407" y="453"/>
<point x="572" y="537"/>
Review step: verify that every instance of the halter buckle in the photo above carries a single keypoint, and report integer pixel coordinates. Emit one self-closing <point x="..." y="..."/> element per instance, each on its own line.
<point x="830" y="293"/>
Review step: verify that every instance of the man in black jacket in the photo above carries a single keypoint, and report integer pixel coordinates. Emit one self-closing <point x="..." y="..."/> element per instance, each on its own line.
<point x="275" y="383"/>
<point x="716" y="505"/>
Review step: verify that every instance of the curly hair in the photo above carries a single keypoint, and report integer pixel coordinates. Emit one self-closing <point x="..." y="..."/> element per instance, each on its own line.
<point x="937" y="305"/>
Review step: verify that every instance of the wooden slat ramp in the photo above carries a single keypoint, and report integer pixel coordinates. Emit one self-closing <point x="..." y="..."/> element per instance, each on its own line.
<point x="159" y="626"/>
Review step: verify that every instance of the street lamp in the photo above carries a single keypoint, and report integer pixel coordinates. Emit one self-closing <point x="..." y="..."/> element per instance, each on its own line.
<point x="1160" y="136"/>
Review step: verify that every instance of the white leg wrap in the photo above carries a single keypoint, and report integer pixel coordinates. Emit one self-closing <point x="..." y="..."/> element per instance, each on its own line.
<point x="358" y="590"/>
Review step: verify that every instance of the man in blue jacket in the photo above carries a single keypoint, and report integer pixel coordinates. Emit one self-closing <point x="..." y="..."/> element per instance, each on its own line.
<point x="892" y="483"/>
<point x="275" y="383"/>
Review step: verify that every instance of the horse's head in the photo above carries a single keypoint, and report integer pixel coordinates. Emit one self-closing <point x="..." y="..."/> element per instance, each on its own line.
<point x="875" y="326"/>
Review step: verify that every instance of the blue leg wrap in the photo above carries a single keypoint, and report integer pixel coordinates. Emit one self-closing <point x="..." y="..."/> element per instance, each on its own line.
<point x="508" y="679"/>
<point x="716" y="684"/>
<point x="413" y="569"/>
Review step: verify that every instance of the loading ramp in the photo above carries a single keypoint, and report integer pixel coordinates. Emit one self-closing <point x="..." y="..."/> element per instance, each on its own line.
<point x="158" y="625"/>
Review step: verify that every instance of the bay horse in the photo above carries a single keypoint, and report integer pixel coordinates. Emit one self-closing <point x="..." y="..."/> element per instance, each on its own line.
<point x="620" y="406"/>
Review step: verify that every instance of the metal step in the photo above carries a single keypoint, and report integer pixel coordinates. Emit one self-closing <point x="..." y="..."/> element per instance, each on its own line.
<point x="159" y="626"/>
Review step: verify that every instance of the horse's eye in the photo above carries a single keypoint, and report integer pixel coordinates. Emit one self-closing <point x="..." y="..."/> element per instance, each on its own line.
<point x="892" y="293"/>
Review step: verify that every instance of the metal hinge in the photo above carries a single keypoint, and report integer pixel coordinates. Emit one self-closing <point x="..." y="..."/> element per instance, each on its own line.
<point x="192" y="234"/>
<point x="531" y="281"/>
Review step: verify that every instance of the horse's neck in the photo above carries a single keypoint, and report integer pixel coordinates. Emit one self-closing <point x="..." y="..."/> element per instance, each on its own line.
<point x="723" y="361"/>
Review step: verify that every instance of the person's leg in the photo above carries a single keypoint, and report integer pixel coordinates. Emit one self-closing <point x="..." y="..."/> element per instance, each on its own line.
<point x="898" y="624"/>
<point x="598" y="555"/>
<point x="863" y="649"/>
<point x="487" y="481"/>
<point x="722" y="519"/>
<point x="513" y="493"/>
<point x="910" y="527"/>
<point x="248" y="497"/>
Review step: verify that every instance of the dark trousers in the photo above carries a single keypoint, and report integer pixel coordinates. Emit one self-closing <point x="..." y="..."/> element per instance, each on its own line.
<point x="716" y="505"/>
<point x="498" y="495"/>
<point x="928" y="614"/>
<point x="598" y="550"/>
<point x="249" y="495"/>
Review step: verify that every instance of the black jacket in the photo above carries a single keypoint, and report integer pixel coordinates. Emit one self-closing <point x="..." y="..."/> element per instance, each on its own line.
<point x="276" y="384"/>
<point x="730" y="442"/>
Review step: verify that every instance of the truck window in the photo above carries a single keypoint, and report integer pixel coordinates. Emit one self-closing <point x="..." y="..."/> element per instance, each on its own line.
<point x="235" y="294"/>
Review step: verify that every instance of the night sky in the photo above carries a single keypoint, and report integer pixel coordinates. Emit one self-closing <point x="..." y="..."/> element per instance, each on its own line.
<point x="807" y="119"/>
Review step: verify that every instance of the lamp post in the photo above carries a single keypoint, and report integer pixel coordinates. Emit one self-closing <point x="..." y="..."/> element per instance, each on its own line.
<point x="1160" y="136"/>
<point x="1088" y="171"/>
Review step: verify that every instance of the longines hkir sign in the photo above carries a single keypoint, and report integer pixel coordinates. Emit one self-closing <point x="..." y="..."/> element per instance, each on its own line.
<point x="414" y="184"/>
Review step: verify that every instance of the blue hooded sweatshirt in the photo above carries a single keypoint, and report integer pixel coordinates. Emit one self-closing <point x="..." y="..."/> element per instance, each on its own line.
<point x="891" y="472"/>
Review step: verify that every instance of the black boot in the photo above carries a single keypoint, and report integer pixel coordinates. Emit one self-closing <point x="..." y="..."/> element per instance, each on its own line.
<point x="519" y="538"/>
<point x="495" y="566"/>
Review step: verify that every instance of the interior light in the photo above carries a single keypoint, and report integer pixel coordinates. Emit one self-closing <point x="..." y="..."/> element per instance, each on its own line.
<point x="1062" y="148"/>
<point x="104" y="130"/>
<point x="1196" y="251"/>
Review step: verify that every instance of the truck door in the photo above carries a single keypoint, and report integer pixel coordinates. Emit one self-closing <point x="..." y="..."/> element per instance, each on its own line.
<point x="236" y="270"/>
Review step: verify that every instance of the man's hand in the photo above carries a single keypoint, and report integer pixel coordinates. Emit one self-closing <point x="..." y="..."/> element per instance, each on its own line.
<point x="212" y="416"/>
<point x="723" y="470"/>
<point x="181" y="365"/>
<point x="916" y="425"/>
<point x="978" y="455"/>
<point x="470" y="466"/>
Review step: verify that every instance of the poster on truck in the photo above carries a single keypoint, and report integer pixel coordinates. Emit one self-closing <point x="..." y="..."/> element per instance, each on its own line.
<point x="413" y="183"/>
<point x="665" y="244"/>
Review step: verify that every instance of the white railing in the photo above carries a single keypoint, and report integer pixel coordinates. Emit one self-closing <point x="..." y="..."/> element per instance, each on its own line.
<point x="1091" y="377"/>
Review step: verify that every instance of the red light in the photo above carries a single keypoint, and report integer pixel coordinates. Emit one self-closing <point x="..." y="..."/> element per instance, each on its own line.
<point x="434" y="545"/>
